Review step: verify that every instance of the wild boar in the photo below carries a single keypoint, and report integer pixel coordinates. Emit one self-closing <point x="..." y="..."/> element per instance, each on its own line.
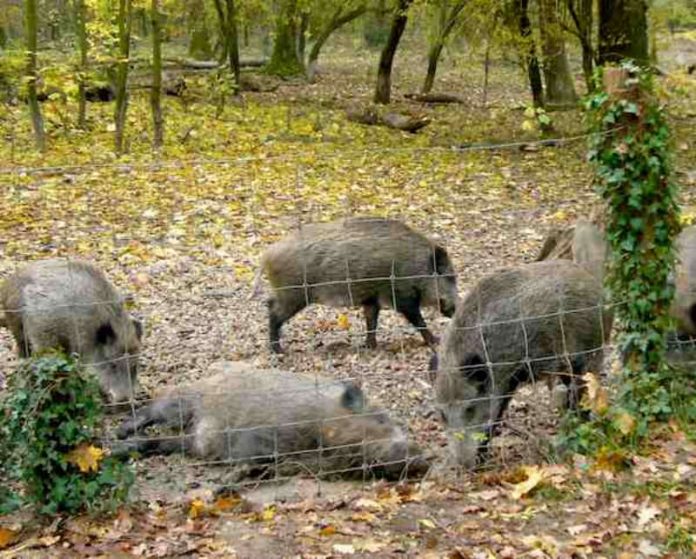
<point x="684" y="306"/>
<point x="515" y="326"/>
<point x="70" y="305"/>
<point x="368" y="262"/>
<point x="245" y="416"/>
<point x="583" y="243"/>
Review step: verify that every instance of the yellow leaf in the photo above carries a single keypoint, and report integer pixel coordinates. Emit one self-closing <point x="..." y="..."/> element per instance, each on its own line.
<point x="328" y="530"/>
<point x="268" y="513"/>
<point x="528" y="125"/>
<point x="427" y="523"/>
<point x="226" y="503"/>
<point x="196" y="508"/>
<point x="534" y="477"/>
<point x="363" y="516"/>
<point x="343" y="322"/>
<point x="596" y="398"/>
<point x="560" y="215"/>
<point x="625" y="423"/>
<point x="343" y="549"/>
<point x="7" y="537"/>
<point x="86" y="457"/>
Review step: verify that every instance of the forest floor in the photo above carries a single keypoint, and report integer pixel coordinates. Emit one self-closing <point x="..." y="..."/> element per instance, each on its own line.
<point x="182" y="230"/>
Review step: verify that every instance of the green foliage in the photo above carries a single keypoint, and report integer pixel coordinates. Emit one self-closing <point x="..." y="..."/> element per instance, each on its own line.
<point x="631" y="153"/>
<point x="537" y="119"/>
<point x="52" y="412"/>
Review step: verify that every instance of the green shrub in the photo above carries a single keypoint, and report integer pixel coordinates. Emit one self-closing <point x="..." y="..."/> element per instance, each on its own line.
<point x="52" y="413"/>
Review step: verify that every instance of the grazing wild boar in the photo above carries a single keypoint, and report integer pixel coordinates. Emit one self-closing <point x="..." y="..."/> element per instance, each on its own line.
<point x="368" y="262"/>
<point x="684" y="306"/>
<point x="515" y="326"/>
<point x="257" y="417"/>
<point x="70" y="305"/>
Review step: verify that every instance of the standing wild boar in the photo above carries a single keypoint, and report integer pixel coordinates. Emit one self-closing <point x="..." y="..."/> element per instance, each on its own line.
<point x="70" y="305"/>
<point x="684" y="306"/>
<point x="248" y="416"/>
<point x="583" y="243"/>
<point x="516" y="326"/>
<point x="368" y="262"/>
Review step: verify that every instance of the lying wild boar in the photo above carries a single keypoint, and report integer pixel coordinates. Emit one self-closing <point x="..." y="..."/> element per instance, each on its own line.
<point x="684" y="306"/>
<point x="368" y="262"/>
<point x="70" y="305"/>
<point x="515" y="326"/>
<point x="248" y="416"/>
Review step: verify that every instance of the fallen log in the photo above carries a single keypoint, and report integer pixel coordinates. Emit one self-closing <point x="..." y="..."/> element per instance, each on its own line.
<point x="434" y="98"/>
<point x="370" y="116"/>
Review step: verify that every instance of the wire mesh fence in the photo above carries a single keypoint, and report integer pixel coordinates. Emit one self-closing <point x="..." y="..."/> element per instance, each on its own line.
<point x="347" y="398"/>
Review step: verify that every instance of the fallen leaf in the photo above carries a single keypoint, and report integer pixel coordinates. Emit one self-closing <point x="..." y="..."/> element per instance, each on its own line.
<point x="7" y="537"/>
<point x="647" y="514"/>
<point x="86" y="457"/>
<point x="534" y="476"/>
<point x="343" y="548"/>
<point x="196" y="508"/>
<point x="596" y="397"/>
<point x="625" y="423"/>
<point x="343" y="322"/>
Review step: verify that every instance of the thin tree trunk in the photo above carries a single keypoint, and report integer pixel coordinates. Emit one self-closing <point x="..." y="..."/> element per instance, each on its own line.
<point x="302" y="36"/>
<point x="530" y="56"/>
<point x="233" y="43"/>
<point x="31" y="23"/>
<point x="222" y="22"/>
<point x="386" y="59"/>
<point x="623" y="31"/>
<point x="81" y="29"/>
<point x="156" y="92"/>
<point x="559" y="81"/>
<point x="124" y="27"/>
<point x="447" y="24"/>
<point x="486" y="70"/>
<point x="338" y="20"/>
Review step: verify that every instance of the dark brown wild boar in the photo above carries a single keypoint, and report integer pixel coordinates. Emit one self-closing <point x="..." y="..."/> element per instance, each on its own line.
<point x="242" y="415"/>
<point x="368" y="262"/>
<point x="515" y="326"/>
<point x="70" y="305"/>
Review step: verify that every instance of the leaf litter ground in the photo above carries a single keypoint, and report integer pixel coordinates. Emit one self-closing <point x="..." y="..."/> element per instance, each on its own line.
<point x="184" y="236"/>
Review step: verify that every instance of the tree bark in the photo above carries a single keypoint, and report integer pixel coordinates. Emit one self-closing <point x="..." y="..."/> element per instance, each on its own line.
<point x="338" y="20"/>
<point x="530" y="56"/>
<point x="559" y="81"/>
<point x="31" y="25"/>
<point x="448" y="21"/>
<point x="124" y="28"/>
<point x="81" y="32"/>
<point x="284" y="61"/>
<point x="623" y="31"/>
<point x="199" y="38"/>
<point x="302" y="36"/>
<point x="581" y="14"/>
<point x="233" y="43"/>
<point x="156" y="92"/>
<point x="386" y="59"/>
<point x="222" y="24"/>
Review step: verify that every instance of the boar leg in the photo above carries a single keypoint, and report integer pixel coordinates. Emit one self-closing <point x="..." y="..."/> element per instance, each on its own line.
<point x="149" y="447"/>
<point x="410" y="308"/>
<point x="280" y="310"/>
<point x="371" y="311"/>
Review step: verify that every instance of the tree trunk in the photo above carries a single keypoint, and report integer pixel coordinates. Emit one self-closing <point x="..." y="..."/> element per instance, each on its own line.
<point x="124" y="28"/>
<point x="386" y="59"/>
<point x="31" y="23"/>
<point x="446" y="24"/>
<point x="222" y="25"/>
<point x="623" y="31"/>
<point x="81" y="32"/>
<point x="233" y="44"/>
<point x="199" y="37"/>
<point x="156" y="92"/>
<point x="284" y="60"/>
<point x="337" y="21"/>
<point x="302" y="36"/>
<point x="559" y="81"/>
<point x="530" y="56"/>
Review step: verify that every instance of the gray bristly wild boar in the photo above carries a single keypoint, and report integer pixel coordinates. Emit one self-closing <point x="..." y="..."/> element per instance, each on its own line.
<point x="70" y="305"/>
<point x="684" y="305"/>
<point x="589" y="248"/>
<point x="515" y="326"/>
<point x="368" y="262"/>
<point x="250" y="417"/>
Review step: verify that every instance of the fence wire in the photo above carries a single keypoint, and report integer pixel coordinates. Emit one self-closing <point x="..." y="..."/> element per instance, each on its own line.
<point x="324" y="413"/>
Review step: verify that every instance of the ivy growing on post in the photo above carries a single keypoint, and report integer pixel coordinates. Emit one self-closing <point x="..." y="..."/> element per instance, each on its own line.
<point x="630" y="150"/>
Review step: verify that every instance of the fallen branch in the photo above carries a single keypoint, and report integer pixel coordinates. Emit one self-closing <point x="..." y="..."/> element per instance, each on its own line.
<point x="434" y="98"/>
<point x="370" y="117"/>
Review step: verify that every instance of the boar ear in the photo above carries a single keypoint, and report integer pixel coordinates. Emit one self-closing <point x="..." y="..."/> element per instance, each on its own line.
<point x="353" y="397"/>
<point x="474" y="368"/>
<point x="105" y="334"/>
